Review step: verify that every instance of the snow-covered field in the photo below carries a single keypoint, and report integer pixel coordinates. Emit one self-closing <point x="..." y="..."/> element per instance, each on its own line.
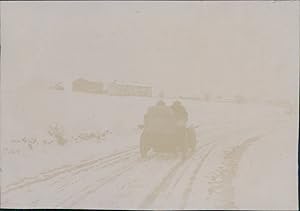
<point x="246" y="155"/>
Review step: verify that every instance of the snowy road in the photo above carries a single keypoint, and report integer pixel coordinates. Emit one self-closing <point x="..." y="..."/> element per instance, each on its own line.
<point x="112" y="175"/>
<point x="124" y="180"/>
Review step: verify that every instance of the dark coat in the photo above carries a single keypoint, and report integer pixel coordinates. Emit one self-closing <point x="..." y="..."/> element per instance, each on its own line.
<point x="180" y="112"/>
<point x="160" y="119"/>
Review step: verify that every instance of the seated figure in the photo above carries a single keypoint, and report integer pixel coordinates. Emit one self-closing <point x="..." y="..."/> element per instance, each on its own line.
<point x="159" y="119"/>
<point x="180" y="114"/>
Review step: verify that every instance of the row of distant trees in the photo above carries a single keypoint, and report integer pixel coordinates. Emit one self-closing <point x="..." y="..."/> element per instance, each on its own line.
<point x="211" y="98"/>
<point x="237" y="98"/>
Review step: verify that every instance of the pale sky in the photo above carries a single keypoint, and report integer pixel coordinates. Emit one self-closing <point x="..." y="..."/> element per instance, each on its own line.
<point x="249" y="48"/>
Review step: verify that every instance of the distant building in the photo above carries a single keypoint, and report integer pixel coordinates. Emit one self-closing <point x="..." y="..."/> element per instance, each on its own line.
<point x="58" y="86"/>
<point x="129" y="89"/>
<point x="83" y="85"/>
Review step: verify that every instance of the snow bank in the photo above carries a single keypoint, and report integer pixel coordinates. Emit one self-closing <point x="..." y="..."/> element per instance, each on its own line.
<point x="267" y="173"/>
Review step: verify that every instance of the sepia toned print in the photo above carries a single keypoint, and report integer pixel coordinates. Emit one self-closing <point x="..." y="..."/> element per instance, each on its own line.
<point x="149" y="105"/>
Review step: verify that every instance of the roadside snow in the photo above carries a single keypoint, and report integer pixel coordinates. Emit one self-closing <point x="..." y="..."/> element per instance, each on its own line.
<point x="256" y="147"/>
<point x="53" y="156"/>
<point x="267" y="173"/>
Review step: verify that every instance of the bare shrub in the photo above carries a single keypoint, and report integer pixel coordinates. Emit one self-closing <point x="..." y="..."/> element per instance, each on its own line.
<point x="91" y="135"/>
<point x="57" y="132"/>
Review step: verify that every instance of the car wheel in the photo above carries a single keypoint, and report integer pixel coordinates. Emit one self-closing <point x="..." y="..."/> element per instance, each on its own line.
<point x="144" y="148"/>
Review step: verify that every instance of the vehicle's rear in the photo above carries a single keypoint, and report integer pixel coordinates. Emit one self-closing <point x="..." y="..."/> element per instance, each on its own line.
<point x="162" y="132"/>
<point x="159" y="120"/>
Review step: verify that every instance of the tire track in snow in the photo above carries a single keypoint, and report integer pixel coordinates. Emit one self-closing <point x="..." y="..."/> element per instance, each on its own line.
<point x="67" y="198"/>
<point x="167" y="180"/>
<point x="74" y="199"/>
<point x="107" y="163"/>
<point x="193" y="177"/>
<point x="162" y="185"/>
<point x="222" y="190"/>
<point x="85" y="165"/>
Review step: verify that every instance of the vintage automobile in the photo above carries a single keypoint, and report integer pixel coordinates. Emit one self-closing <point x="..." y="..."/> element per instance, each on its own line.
<point x="161" y="133"/>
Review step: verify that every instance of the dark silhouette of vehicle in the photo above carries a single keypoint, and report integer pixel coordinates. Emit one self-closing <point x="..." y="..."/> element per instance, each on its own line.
<point x="161" y="133"/>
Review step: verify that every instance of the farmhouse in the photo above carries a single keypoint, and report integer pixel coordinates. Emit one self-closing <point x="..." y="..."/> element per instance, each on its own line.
<point x="129" y="89"/>
<point x="83" y="85"/>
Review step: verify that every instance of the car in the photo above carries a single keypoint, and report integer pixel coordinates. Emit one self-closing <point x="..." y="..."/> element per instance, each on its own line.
<point x="180" y="140"/>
